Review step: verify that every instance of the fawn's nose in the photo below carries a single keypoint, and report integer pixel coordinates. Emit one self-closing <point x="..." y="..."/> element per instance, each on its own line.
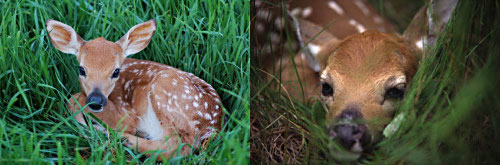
<point x="348" y="131"/>
<point x="348" y="135"/>
<point x="96" y="101"/>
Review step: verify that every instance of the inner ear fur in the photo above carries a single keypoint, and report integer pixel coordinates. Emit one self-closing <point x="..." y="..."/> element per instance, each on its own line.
<point x="137" y="38"/>
<point x="64" y="37"/>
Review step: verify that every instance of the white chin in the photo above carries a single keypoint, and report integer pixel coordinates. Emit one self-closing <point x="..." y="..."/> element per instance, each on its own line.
<point x="95" y="110"/>
<point x="346" y="156"/>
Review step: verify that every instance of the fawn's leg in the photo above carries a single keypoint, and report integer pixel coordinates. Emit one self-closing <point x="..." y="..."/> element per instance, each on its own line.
<point x="73" y="106"/>
<point x="142" y="145"/>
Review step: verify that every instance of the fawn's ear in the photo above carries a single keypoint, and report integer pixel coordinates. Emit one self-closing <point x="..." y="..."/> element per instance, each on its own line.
<point x="137" y="38"/>
<point x="315" y="51"/>
<point x="63" y="37"/>
<point x="429" y="22"/>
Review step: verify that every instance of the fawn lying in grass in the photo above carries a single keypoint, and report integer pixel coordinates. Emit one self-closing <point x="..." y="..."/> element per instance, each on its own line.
<point x="359" y="70"/>
<point x="159" y="105"/>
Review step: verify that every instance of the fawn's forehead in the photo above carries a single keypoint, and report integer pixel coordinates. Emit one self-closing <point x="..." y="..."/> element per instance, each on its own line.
<point x="369" y="54"/>
<point x="99" y="53"/>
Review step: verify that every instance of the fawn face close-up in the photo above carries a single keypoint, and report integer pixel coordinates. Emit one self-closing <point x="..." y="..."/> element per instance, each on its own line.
<point x="100" y="60"/>
<point x="363" y="78"/>
<point x="355" y="63"/>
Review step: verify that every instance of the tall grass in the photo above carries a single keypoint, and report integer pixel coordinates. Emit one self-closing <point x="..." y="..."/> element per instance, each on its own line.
<point x="451" y="106"/>
<point x="207" y="38"/>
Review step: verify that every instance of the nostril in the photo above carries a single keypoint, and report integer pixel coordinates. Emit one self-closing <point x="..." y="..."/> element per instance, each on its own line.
<point x="355" y="130"/>
<point x="347" y="143"/>
<point x="95" y="106"/>
<point x="96" y="100"/>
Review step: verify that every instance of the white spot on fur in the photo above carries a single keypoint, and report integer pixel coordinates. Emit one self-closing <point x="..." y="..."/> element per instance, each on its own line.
<point x="213" y="93"/>
<point x="420" y="44"/>
<point x="195" y="104"/>
<point x="216" y="106"/>
<point x="200" y="114"/>
<point x="275" y="38"/>
<point x="215" y="114"/>
<point x="358" y="26"/>
<point x="206" y="105"/>
<point x="363" y="7"/>
<point x="295" y="11"/>
<point x="336" y="7"/>
<point x="208" y="117"/>
<point x="127" y="84"/>
<point x="213" y="121"/>
<point x="307" y="11"/>
<point x="278" y="23"/>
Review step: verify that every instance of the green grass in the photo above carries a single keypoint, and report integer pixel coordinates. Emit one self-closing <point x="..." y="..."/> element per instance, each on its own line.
<point x="207" y="38"/>
<point x="451" y="107"/>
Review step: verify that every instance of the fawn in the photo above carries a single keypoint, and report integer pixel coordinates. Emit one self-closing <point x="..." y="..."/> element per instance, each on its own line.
<point x="158" y="103"/>
<point x="357" y="65"/>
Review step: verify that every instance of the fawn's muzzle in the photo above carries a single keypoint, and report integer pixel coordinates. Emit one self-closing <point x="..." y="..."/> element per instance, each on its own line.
<point x="96" y="101"/>
<point x="349" y="132"/>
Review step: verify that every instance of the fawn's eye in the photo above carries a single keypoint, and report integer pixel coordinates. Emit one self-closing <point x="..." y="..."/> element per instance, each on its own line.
<point x="82" y="71"/>
<point x="396" y="92"/>
<point x="116" y="73"/>
<point x="326" y="90"/>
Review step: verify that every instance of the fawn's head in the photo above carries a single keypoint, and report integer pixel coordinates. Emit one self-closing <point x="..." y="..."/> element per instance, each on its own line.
<point x="363" y="78"/>
<point x="364" y="75"/>
<point x="100" y="60"/>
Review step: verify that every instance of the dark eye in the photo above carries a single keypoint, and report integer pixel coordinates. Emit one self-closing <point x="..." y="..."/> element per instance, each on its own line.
<point x="116" y="73"/>
<point x="82" y="71"/>
<point x="326" y="90"/>
<point x="396" y="92"/>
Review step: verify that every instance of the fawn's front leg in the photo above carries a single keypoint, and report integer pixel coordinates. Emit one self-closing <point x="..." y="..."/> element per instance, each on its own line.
<point x="74" y="106"/>
<point x="168" y="146"/>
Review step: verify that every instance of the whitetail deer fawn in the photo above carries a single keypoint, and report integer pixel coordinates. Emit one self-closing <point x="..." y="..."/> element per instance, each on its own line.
<point x="158" y="103"/>
<point x="358" y="69"/>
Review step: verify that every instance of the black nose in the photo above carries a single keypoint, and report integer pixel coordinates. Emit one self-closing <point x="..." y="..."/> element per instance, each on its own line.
<point x="96" y="101"/>
<point x="347" y="134"/>
<point x="348" y="128"/>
